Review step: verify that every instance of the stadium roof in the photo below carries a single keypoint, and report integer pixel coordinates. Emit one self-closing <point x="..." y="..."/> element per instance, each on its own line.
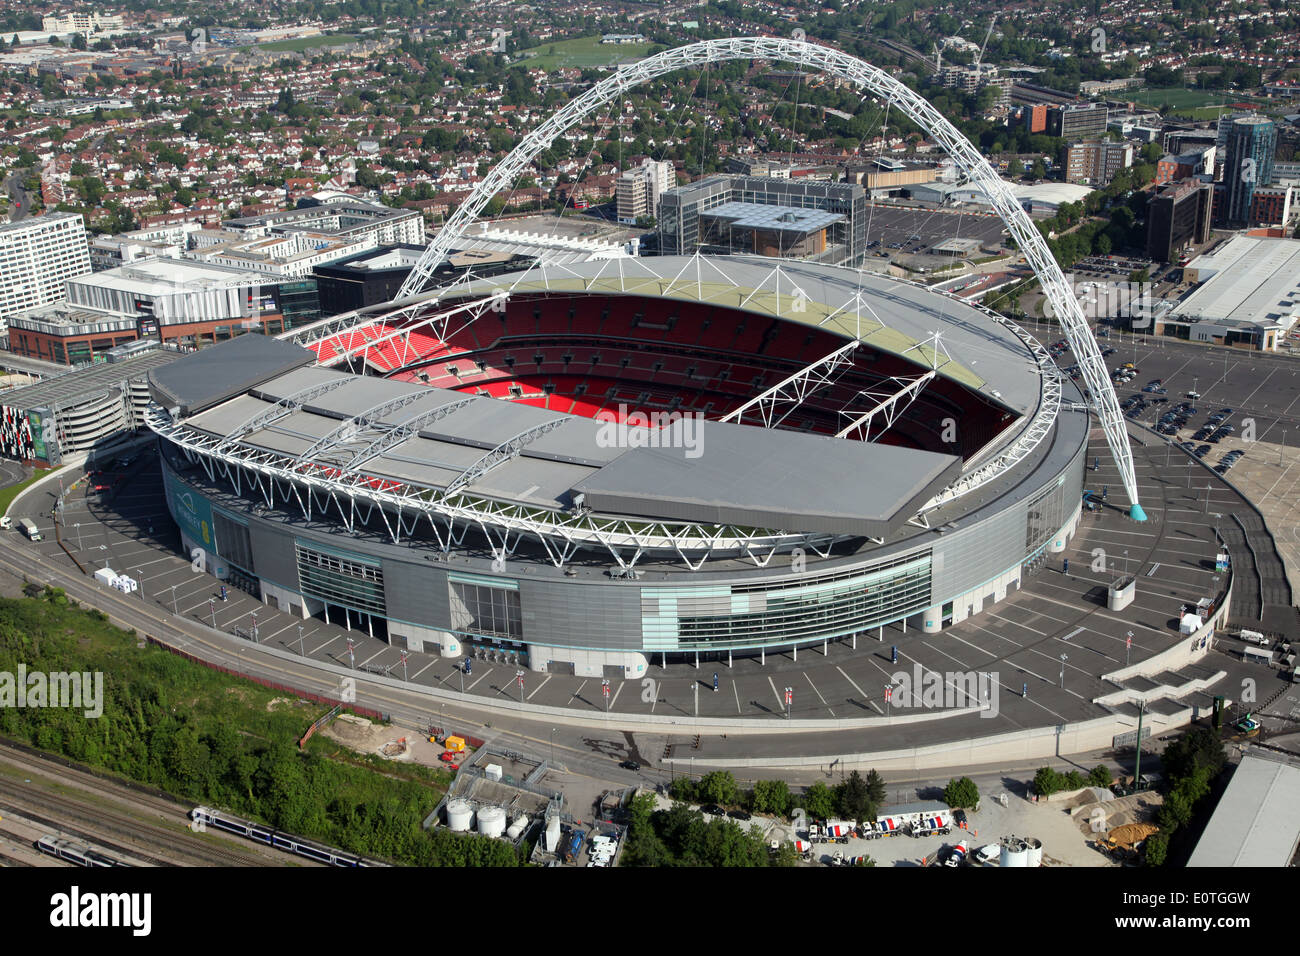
<point x="1257" y="821"/>
<point x="223" y="371"/>
<point x="886" y="314"/>
<point x="716" y="473"/>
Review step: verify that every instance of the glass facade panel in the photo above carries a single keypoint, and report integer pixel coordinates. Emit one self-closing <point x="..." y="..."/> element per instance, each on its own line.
<point x="1046" y="515"/>
<point x="337" y="578"/>
<point x="833" y="606"/>
<point x="486" y="610"/>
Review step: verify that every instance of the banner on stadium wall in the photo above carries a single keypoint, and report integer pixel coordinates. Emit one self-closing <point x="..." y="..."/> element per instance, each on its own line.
<point x="191" y="510"/>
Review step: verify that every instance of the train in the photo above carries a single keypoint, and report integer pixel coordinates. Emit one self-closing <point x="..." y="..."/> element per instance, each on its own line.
<point x="82" y="854"/>
<point x="261" y="833"/>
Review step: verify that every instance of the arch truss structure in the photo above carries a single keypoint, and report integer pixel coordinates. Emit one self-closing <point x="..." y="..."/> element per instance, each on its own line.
<point x="872" y="82"/>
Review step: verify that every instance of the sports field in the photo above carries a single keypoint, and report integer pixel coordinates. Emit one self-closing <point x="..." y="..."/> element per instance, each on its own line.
<point x="582" y="53"/>
<point x="1203" y="102"/>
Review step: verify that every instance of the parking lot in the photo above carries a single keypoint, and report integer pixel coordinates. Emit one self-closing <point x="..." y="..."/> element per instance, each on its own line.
<point x="1252" y="399"/>
<point x="892" y="229"/>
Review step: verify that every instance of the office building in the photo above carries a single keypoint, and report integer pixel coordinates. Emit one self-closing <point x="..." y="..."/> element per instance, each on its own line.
<point x="1079" y="121"/>
<point x="723" y="214"/>
<point x="1249" y="144"/>
<point x="1096" y="163"/>
<point x="1178" y="215"/>
<point x="169" y="300"/>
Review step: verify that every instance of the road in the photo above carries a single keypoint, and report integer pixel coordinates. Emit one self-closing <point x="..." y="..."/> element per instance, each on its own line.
<point x="22" y="200"/>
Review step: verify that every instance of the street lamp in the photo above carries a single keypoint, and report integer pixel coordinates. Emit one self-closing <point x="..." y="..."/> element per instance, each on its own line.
<point x="1128" y="646"/>
<point x="139" y="577"/>
<point x="77" y="525"/>
<point x="789" y="700"/>
<point x="301" y="650"/>
<point x="1064" y="658"/>
<point x="174" y="611"/>
<point x="552" y="746"/>
<point x="212" y="606"/>
<point x="253" y="616"/>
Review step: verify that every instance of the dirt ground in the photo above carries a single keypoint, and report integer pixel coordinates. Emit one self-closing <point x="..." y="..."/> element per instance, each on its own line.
<point x="363" y="736"/>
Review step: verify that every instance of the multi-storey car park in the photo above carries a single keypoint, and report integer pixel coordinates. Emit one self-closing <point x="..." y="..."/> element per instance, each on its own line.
<point x="827" y="466"/>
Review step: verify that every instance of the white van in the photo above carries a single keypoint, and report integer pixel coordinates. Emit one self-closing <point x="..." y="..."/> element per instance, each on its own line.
<point x="1253" y="637"/>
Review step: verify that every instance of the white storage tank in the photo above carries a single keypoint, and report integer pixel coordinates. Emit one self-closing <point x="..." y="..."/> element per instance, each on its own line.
<point x="1035" y="851"/>
<point x="460" y="816"/>
<point x="492" y="821"/>
<point x="1014" y="853"/>
<point x="518" y="826"/>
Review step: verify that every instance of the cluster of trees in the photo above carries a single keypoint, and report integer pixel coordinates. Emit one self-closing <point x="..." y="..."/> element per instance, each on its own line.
<point x="203" y="736"/>
<point x="855" y="797"/>
<point x="683" y="836"/>
<point x="1191" y="763"/>
<point x="1048" y="780"/>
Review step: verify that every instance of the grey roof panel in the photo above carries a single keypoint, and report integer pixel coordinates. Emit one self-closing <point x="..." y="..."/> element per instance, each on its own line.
<point x="1257" y="821"/>
<point x="224" y="370"/>
<point x="533" y="481"/>
<point x="754" y="477"/>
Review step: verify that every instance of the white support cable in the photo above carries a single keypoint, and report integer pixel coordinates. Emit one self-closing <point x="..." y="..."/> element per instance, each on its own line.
<point x="889" y="407"/>
<point x="794" y="389"/>
<point x="866" y="77"/>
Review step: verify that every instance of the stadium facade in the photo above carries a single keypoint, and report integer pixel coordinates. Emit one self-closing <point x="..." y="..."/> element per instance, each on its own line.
<point x="818" y="463"/>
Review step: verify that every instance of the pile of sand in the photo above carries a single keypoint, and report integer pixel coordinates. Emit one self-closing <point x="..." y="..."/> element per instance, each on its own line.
<point x="1136" y="808"/>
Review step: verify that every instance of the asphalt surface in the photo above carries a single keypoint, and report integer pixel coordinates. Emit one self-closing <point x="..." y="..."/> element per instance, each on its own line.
<point x="1258" y="386"/>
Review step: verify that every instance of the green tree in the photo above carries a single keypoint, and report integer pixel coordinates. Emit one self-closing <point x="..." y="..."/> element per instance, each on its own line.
<point x="1048" y="781"/>
<point x="876" y="787"/>
<point x="1155" y="849"/>
<point x="1175" y="812"/>
<point x="852" y="799"/>
<point x="819" y="801"/>
<point x="771" y="796"/>
<point x="962" y="794"/>
<point x="719" y="787"/>
<point x="1101" y="776"/>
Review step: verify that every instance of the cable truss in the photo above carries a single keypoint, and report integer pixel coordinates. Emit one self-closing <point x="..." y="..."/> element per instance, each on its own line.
<point x="403" y="506"/>
<point x="791" y="392"/>
<point x="502" y="453"/>
<point x="889" y="404"/>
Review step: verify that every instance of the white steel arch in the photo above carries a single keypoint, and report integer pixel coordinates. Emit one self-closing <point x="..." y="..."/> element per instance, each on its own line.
<point x="878" y="83"/>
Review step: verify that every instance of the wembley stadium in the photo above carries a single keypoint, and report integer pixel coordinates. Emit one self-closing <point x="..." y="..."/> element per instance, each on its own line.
<point x="600" y="465"/>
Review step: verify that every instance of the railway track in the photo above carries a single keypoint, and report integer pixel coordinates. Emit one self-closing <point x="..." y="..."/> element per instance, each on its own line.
<point x="93" y="821"/>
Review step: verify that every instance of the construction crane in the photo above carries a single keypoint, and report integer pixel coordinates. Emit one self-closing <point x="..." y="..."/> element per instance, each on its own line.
<point x="980" y="56"/>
